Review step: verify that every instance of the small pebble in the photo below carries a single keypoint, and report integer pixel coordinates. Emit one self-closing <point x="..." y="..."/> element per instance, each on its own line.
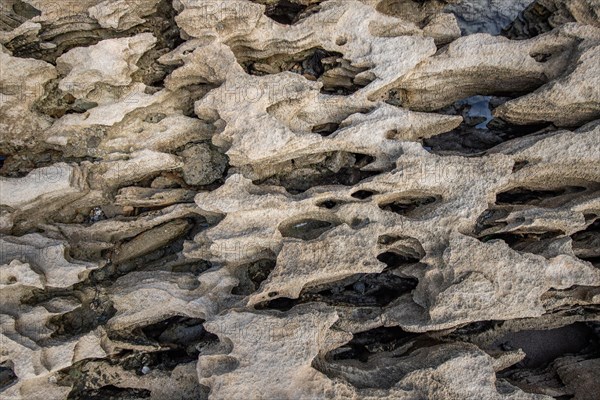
<point x="145" y="370"/>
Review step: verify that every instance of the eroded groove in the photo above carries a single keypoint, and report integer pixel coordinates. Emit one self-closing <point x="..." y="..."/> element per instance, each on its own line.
<point x="306" y="229"/>
<point x="586" y="243"/>
<point x="538" y="197"/>
<point x="360" y="290"/>
<point x="409" y="205"/>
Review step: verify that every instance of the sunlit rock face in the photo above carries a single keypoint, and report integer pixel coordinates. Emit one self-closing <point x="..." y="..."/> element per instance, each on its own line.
<point x="299" y="199"/>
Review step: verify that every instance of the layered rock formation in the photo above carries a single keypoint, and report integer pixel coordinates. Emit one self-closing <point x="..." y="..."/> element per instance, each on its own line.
<point x="299" y="199"/>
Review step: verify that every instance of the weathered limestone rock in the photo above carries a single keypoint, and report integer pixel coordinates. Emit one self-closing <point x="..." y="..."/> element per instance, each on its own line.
<point x="87" y="67"/>
<point x="135" y="295"/>
<point x="43" y="185"/>
<point x="561" y="102"/>
<point x="481" y="64"/>
<point x="46" y="257"/>
<point x="22" y="82"/>
<point x="121" y="14"/>
<point x="483" y="287"/>
<point x="284" y="199"/>
<point x="298" y="337"/>
<point x="295" y="340"/>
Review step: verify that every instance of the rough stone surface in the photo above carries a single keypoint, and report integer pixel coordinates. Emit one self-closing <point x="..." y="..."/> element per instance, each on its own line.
<point x="299" y="199"/>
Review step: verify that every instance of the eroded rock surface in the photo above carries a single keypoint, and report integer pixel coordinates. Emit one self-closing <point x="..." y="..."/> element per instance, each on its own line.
<point x="299" y="199"/>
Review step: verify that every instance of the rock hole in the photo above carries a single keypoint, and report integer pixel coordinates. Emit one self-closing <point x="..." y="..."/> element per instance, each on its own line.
<point x="341" y="41"/>
<point x="488" y="220"/>
<point x="394" y="259"/>
<point x="358" y="223"/>
<point x="358" y="290"/>
<point x="363" y="194"/>
<point x="329" y="204"/>
<point x="352" y="362"/>
<point x="408" y="205"/>
<point x="519" y="165"/>
<point x="541" y="57"/>
<point x="526" y="242"/>
<point x="25" y="10"/>
<point x="479" y="131"/>
<point x="364" y="344"/>
<point x="327" y="172"/>
<point x="362" y="290"/>
<point x="474" y="328"/>
<point x="280" y="304"/>
<point x="253" y="275"/>
<point x="306" y="229"/>
<point x="186" y="334"/>
<point x="284" y="11"/>
<point x="325" y="129"/>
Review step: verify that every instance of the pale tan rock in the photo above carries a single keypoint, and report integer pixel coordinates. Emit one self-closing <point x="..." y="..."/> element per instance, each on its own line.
<point x="480" y="287"/>
<point x="181" y="382"/>
<point x="41" y="362"/>
<point x="47" y="256"/>
<point x="243" y="23"/>
<point x="295" y="341"/>
<point x="265" y="99"/>
<point x="110" y="62"/>
<point x="22" y="81"/>
<point x="136" y="294"/>
<point x="481" y="64"/>
<point x="299" y="337"/>
<point x="42" y="186"/>
<point x="121" y="14"/>
<point x="18" y="273"/>
<point x="130" y="168"/>
<point x="571" y="100"/>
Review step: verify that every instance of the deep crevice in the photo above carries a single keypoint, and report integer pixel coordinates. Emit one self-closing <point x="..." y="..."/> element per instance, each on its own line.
<point x="252" y="275"/>
<point x="409" y="205"/>
<point x="111" y="392"/>
<point x="586" y="243"/>
<point x="306" y="229"/>
<point x="527" y="242"/>
<point x="358" y="290"/>
<point x="537" y="197"/>
<point x="330" y="68"/>
<point x="479" y="131"/>
<point x="180" y="333"/>
<point x="544" y="346"/>
<point x="327" y="172"/>
<point x="364" y="344"/>
<point x="363" y="194"/>
<point x="285" y="11"/>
